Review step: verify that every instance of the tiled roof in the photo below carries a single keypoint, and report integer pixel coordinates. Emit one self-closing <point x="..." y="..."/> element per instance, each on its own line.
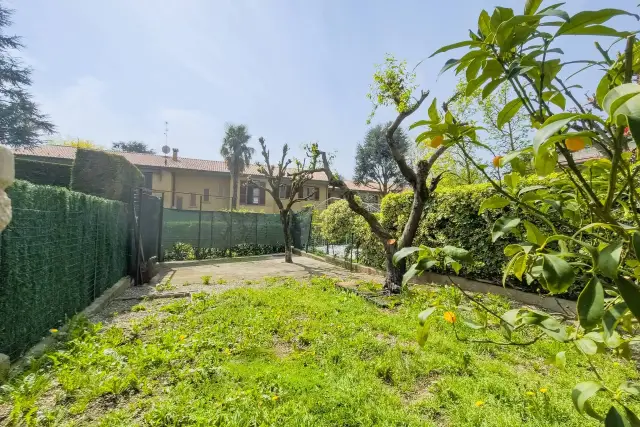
<point x="357" y="187"/>
<point x="147" y="160"/>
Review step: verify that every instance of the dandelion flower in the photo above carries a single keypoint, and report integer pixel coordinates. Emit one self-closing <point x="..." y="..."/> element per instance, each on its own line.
<point x="274" y="398"/>
<point x="479" y="403"/>
<point x="450" y="317"/>
<point x="182" y="337"/>
<point x="530" y="393"/>
<point x="53" y="331"/>
<point x="543" y="390"/>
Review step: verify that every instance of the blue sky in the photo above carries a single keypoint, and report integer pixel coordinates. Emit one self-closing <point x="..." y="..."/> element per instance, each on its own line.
<point x="293" y="71"/>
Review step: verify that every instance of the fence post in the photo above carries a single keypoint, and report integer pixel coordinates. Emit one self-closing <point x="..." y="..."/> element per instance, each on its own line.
<point x="230" y="229"/>
<point x="351" y="251"/>
<point x="198" y="252"/>
<point x="306" y="248"/>
<point x="211" y="233"/>
<point x="257" y="230"/>
<point x="159" y="251"/>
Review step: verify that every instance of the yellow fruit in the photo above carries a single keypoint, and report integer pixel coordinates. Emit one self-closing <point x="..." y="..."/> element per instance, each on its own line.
<point x="496" y="161"/>
<point x="435" y="142"/>
<point x="574" y="144"/>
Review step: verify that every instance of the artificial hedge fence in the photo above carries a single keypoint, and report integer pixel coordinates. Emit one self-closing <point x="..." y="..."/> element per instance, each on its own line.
<point x="61" y="250"/>
<point x="43" y="173"/>
<point x="104" y="174"/>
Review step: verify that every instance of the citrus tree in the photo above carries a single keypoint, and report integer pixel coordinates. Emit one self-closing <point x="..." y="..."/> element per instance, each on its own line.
<point x="597" y="238"/>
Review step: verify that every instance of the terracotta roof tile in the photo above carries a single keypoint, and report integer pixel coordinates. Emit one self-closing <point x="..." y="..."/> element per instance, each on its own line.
<point x="147" y="160"/>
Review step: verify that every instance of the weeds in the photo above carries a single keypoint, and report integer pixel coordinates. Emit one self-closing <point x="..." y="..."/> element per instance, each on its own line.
<point x="221" y="281"/>
<point x="166" y="286"/>
<point x="206" y="280"/>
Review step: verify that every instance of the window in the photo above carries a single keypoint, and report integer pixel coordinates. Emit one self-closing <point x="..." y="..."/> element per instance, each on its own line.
<point x="178" y="202"/>
<point x="206" y="195"/>
<point x="251" y="194"/>
<point x="192" y="200"/>
<point x="223" y="189"/>
<point x="148" y="180"/>
<point x="311" y="193"/>
<point x="285" y="191"/>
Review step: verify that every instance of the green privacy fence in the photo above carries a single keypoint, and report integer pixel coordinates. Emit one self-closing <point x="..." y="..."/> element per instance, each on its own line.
<point x="221" y="233"/>
<point x="61" y="250"/>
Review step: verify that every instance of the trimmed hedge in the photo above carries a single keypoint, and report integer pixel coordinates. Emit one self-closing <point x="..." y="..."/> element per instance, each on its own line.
<point x="451" y="218"/>
<point x="61" y="250"/>
<point x="43" y="173"/>
<point x="104" y="174"/>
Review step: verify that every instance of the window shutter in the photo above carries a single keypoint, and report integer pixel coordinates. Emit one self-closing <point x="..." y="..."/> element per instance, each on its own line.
<point x="288" y="191"/>
<point x="243" y="193"/>
<point x="317" y="195"/>
<point x="300" y="193"/>
<point x="262" y="195"/>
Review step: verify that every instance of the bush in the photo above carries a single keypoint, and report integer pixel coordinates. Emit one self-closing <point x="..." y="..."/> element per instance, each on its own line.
<point x="450" y="218"/>
<point x="181" y="252"/>
<point x="105" y="175"/>
<point x="184" y="251"/>
<point x="43" y="173"/>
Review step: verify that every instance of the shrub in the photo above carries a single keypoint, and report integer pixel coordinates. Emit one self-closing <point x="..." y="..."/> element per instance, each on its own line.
<point x="105" y="175"/>
<point x="181" y="252"/>
<point x="43" y="173"/>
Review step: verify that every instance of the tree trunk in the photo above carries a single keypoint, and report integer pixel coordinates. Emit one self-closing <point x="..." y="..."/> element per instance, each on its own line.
<point x="393" y="278"/>
<point x="285" y="219"/>
<point x="234" y="197"/>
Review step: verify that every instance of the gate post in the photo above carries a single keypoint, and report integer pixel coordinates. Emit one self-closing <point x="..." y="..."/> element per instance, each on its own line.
<point x="159" y="251"/>
<point x="199" y="228"/>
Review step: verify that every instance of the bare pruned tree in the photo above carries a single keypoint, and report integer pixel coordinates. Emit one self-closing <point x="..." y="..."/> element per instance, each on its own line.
<point x="417" y="179"/>
<point x="285" y="182"/>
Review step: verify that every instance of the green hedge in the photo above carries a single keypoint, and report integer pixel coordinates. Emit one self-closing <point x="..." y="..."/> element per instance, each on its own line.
<point x="104" y="174"/>
<point x="43" y="173"/>
<point x="61" y="250"/>
<point x="451" y="218"/>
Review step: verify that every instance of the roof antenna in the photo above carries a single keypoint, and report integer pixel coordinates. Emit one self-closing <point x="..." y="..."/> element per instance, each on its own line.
<point x="165" y="147"/>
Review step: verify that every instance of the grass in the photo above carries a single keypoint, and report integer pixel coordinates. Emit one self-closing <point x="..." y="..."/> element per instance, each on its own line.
<point x="297" y="354"/>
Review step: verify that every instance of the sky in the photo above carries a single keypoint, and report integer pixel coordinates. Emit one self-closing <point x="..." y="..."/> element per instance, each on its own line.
<point x="293" y="71"/>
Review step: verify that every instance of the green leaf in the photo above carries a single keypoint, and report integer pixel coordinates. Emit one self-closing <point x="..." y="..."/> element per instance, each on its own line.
<point x="506" y="330"/>
<point x="531" y="188"/>
<point x="410" y="273"/>
<point x="512" y="179"/>
<point x="559" y="13"/>
<point x="545" y="132"/>
<point x="582" y="392"/>
<point x="591" y="304"/>
<point x="612" y="317"/>
<point x="634" y="127"/>
<point x="630" y="387"/>
<point x="473" y="325"/>
<point x="422" y="317"/>
<point x="600" y="30"/>
<point x="545" y="161"/>
<point x="448" y="65"/>
<point x="531" y="6"/>
<point x="587" y="346"/>
<point x="632" y="417"/>
<point x="433" y="111"/>
<point x="622" y="92"/>
<point x="556" y="98"/>
<point x="557" y="274"/>
<point x="630" y="292"/>
<point x="502" y="226"/>
<point x="507" y="113"/>
<point x="457" y="253"/>
<point x="609" y="259"/>
<point x="473" y="68"/>
<point x="494" y="202"/>
<point x="534" y="235"/>
<point x="614" y="418"/>
<point x="491" y="86"/>
<point x="630" y="108"/>
<point x="603" y="88"/>
<point x="484" y="23"/>
<point x="420" y="123"/>
<point x="511" y="250"/>
<point x="454" y="46"/>
<point x="560" y="360"/>
<point x="403" y="253"/>
<point x="581" y="20"/>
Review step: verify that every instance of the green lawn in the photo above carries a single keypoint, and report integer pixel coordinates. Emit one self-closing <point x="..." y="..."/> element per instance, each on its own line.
<point x="296" y="354"/>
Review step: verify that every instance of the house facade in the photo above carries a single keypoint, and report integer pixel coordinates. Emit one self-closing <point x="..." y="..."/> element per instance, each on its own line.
<point x="192" y="184"/>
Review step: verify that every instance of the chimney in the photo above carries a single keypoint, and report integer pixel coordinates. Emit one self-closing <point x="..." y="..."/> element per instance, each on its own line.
<point x="175" y="154"/>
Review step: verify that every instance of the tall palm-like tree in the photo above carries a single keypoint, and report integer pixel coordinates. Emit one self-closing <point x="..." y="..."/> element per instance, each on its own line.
<point x="236" y="152"/>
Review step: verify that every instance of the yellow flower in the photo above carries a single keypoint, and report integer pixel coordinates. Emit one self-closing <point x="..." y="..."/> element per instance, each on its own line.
<point x="616" y="364"/>
<point x="543" y="390"/>
<point x="450" y="317"/>
<point x="53" y="331"/>
<point x="479" y="403"/>
<point x="274" y="398"/>
<point x="530" y="393"/>
<point x="182" y="337"/>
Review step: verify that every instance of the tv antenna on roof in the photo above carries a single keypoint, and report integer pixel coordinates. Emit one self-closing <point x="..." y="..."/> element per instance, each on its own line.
<point x="165" y="148"/>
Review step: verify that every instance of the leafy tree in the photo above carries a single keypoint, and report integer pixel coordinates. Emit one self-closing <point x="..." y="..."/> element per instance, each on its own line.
<point x="132" y="147"/>
<point x="393" y="85"/>
<point x="597" y="236"/>
<point x="285" y="185"/>
<point x="374" y="161"/>
<point x="236" y="152"/>
<point x="77" y="143"/>
<point x="21" y="122"/>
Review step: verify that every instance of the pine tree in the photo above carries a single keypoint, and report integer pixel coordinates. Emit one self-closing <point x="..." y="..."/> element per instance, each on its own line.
<point x="21" y="122"/>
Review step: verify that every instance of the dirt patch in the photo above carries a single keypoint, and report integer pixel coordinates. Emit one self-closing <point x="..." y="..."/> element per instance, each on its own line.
<point x="281" y="348"/>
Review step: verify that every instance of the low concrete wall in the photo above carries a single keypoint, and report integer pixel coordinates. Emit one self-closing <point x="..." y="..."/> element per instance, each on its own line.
<point x="550" y="303"/>
<point x="195" y="262"/>
<point x="96" y="306"/>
